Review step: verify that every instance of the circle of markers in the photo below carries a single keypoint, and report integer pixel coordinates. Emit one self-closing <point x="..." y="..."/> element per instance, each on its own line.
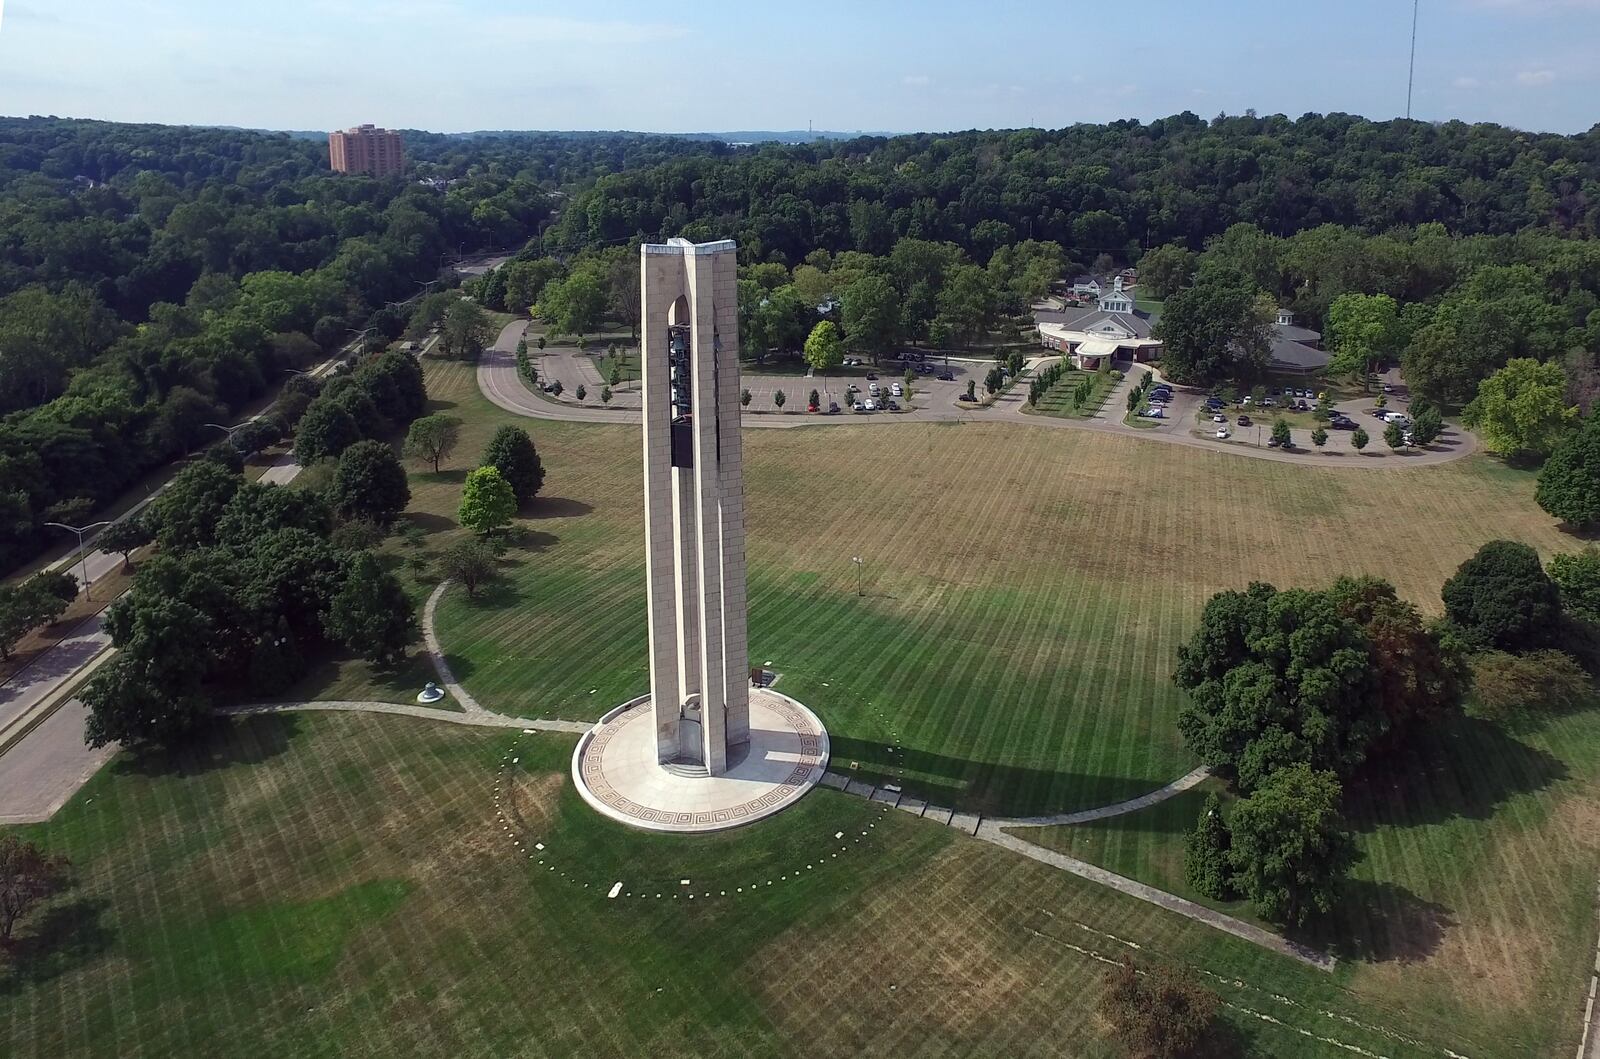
<point x="540" y="853"/>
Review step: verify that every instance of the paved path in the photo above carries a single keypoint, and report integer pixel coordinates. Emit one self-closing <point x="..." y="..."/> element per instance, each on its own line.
<point x="994" y="831"/>
<point x="44" y="770"/>
<point x="447" y="678"/>
<point x="48" y="673"/>
<point x="1132" y="805"/>
<point x="991" y="831"/>
<point x="482" y="719"/>
<point x="500" y="383"/>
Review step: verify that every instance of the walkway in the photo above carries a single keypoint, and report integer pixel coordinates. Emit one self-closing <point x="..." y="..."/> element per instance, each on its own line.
<point x="481" y="719"/>
<point x="995" y="831"/>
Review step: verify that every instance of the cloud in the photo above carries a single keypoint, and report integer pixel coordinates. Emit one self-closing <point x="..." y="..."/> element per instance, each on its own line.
<point x="917" y="80"/>
<point x="1535" y="78"/>
<point x="1466" y="83"/>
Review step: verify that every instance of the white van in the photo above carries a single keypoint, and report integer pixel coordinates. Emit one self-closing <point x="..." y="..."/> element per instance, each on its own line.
<point x="1397" y="417"/>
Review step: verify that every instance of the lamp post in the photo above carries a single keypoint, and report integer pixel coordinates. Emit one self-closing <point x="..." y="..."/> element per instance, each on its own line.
<point x="88" y="592"/>
<point x="857" y="560"/>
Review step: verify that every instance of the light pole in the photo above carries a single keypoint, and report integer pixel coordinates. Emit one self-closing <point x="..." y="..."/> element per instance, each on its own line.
<point x="230" y="432"/>
<point x="80" y="531"/>
<point x="857" y="560"/>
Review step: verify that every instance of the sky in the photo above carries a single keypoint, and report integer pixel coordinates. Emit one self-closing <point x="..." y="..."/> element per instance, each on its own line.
<point x="879" y="65"/>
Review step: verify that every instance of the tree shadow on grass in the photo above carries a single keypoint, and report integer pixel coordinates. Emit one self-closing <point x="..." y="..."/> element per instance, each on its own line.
<point x="525" y="538"/>
<point x="428" y="522"/>
<point x="220" y="742"/>
<point x="64" y="936"/>
<point x="1380" y="922"/>
<point x="1463" y="768"/>
<point x="555" y="507"/>
<point x="988" y="788"/>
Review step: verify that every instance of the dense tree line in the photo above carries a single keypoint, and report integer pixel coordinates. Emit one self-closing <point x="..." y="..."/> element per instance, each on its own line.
<point x="155" y="279"/>
<point x="1101" y="188"/>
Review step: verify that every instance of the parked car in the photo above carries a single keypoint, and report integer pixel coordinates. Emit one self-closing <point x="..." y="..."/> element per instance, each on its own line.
<point x="892" y="405"/>
<point x="1301" y="406"/>
<point x="1246" y="401"/>
<point x="1397" y="417"/>
<point x="870" y="406"/>
<point x="873" y="389"/>
<point x="1387" y="388"/>
<point x="1222" y="433"/>
<point x="947" y="376"/>
<point x="1219" y="419"/>
<point x="1244" y="421"/>
<point x="924" y="369"/>
<point x="872" y="376"/>
<point x="1269" y="403"/>
<point x="858" y="407"/>
<point x="897" y="390"/>
<point x="1342" y="423"/>
<point x="1153" y="413"/>
<point x="1214" y="402"/>
<point x="833" y="408"/>
<point x="965" y="396"/>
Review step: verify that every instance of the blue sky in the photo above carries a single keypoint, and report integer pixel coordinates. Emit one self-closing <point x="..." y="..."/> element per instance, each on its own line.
<point x="454" y="65"/>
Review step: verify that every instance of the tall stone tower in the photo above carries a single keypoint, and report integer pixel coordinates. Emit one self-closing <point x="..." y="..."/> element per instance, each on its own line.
<point x="694" y="504"/>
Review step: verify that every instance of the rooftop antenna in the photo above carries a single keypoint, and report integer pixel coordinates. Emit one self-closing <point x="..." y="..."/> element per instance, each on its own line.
<point x="1411" y="78"/>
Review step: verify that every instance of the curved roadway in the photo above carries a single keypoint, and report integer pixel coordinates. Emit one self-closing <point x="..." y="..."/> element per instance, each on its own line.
<point x="500" y="383"/>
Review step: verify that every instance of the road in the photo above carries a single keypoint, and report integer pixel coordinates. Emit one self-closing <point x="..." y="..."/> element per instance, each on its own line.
<point x="937" y="402"/>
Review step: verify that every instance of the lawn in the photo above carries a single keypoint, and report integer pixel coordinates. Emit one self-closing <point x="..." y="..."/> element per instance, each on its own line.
<point x="1058" y="400"/>
<point x="346" y="885"/>
<point x="340" y="884"/>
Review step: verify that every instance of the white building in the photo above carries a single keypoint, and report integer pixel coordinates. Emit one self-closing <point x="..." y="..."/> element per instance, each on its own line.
<point x="1093" y="338"/>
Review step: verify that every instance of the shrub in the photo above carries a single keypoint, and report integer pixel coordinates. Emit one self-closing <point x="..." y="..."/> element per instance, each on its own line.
<point x="1502" y="598"/>
<point x="1162" y="1013"/>
<point x="1517" y="690"/>
<point x="1207" y="853"/>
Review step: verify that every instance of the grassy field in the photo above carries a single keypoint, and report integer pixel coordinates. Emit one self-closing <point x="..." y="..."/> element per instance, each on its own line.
<point x="345" y="885"/>
<point x="329" y="884"/>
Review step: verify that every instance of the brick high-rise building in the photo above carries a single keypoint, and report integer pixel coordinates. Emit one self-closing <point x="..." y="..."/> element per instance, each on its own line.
<point x="366" y="149"/>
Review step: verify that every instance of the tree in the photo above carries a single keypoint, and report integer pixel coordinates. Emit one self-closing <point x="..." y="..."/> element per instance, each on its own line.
<point x="1569" y="481"/>
<point x="778" y="398"/>
<point x="605" y="395"/>
<point x="1360" y="438"/>
<point x="370" y="614"/>
<point x="487" y="502"/>
<point x="823" y="350"/>
<point x="326" y="429"/>
<point x="151" y="690"/>
<point x="1518" y="691"/>
<point x="369" y="484"/>
<point x="1319" y="437"/>
<point x="1277" y="678"/>
<point x="1366" y="331"/>
<point x="1207" y="853"/>
<point x="511" y="452"/>
<point x="1216" y="329"/>
<point x="1291" y="852"/>
<point x="1502" y="597"/>
<point x="432" y="438"/>
<point x="465" y="331"/>
<point x="814" y="400"/>
<point x="1577" y="575"/>
<point x="125" y="536"/>
<point x="575" y="305"/>
<point x="744" y="398"/>
<point x="972" y="389"/>
<point x="581" y="392"/>
<point x="1281" y="434"/>
<point x="42" y="598"/>
<point x="253" y="436"/>
<point x="1426" y="425"/>
<point x="1394" y="435"/>
<point x="1522" y="408"/>
<point x="1160" y="1013"/>
<point x="470" y="562"/>
<point x="28" y="875"/>
<point x="1166" y="270"/>
<point x="871" y="315"/>
<point x="1419" y="669"/>
<point x="187" y="511"/>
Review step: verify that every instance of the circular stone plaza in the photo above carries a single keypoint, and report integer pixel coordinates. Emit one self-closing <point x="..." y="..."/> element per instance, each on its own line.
<point x="705" y="750"/>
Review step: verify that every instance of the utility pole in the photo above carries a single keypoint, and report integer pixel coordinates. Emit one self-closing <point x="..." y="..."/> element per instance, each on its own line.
<point x="857" y="561"/>
<point x="80" y="531"/>
<point x="1411" y="77"/>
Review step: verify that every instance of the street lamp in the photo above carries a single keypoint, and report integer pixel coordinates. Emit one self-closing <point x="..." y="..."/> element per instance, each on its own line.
<point x="80" y="531"/>
<point x="857" y="560"/>
<point x="230" y="431"/>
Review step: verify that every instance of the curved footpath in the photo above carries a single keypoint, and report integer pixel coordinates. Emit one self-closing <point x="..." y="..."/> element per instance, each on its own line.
<point x="499" y="381"/>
